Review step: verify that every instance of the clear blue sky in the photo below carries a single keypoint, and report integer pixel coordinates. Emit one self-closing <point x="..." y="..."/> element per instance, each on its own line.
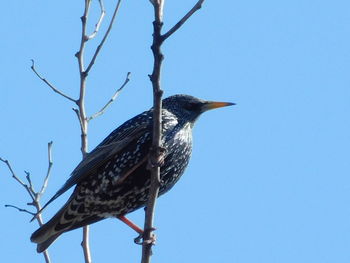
<point x="269" y="178"/>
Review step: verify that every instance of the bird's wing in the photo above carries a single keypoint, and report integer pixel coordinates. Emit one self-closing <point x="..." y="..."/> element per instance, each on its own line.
<point x="116" y="142"/>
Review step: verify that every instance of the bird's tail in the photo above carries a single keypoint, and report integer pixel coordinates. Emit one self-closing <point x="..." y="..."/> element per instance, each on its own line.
<point x="69" y="217"/>
<point x="49" y="232"/>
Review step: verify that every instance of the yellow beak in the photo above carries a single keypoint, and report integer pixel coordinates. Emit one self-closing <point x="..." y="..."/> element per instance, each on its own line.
<point x="209" y="105"/>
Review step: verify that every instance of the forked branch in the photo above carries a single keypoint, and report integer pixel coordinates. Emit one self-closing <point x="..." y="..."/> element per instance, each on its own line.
<point x="34" y="195"/>
<point x="103" y="39"/>
<point x="155" y="156"/>
<point x="80" y="111"/>
<point x="157" y="150"/>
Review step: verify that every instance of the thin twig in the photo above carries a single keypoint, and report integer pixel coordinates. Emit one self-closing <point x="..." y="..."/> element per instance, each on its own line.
<point x="46" y="180"/>
<point x="196" y="7"/>
<point x="99" y="22"/>
<point x="78" y="115"/>
<point x="20" y="209"/>
<point x="49" y="84"/>
<point x="33" y="195"/>
<point x="14" y="176"/>
<point x="103" y="39"/>
<point x="31" y="187"/>
<point x="41" y="192"/>
<point x="115" y="95"/>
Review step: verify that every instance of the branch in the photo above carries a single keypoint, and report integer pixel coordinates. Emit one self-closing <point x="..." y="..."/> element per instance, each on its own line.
<point x="81" y="113"/>
<point x="156" y="150"/>
<point x="196" y="7"/>
<point x="81" y="101"/>
<point x="49" y="84"/>
<point x="46" y="180"/>
<point x="103" y="39"/>
<point x="35" y="196"/>
<point x="78" y="116"/>
<point x="30" y="186"/>
<point x="29" y="181"/>
<point x="100" y="112"/>
<point x="21" y="209"/>
<point x="99" y="22"/>
<point x="14" y="176"/>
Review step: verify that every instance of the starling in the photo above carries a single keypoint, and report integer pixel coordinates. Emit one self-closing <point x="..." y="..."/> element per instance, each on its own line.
<point x="113" y="179"/>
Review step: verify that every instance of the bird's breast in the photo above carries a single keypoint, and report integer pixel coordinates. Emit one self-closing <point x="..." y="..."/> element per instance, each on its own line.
<point x="178" y="146"/>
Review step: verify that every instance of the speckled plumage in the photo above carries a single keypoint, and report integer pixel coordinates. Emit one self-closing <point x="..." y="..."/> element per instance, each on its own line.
<point x="113" y="179"/>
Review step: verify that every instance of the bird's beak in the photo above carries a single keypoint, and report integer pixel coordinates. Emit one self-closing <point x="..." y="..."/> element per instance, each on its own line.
<point x="209" y="105"/>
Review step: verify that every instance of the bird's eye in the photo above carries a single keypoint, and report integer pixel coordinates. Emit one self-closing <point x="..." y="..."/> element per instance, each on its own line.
<point x="191" y="106"/>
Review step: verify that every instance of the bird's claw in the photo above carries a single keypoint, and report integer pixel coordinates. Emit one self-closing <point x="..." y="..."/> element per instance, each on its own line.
<point x="140" y="239"/>
<point x="160" y="160"/>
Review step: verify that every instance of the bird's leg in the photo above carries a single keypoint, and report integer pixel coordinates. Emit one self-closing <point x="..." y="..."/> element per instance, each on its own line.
<point x="138" y="240"/>
<point x="130" y="224"/>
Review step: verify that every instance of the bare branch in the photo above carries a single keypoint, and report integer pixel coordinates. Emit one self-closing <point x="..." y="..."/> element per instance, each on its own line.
<point x="82" y="114"/>
<point x="38" y="194"/>
<point x="29" y="182"/>
<point x="78" y="115"/>
<point x="46" y="180"/>
<point x="20" y="209"/>
<point x="35" y="196"/>
<point x="156" y="150"/>
<point x="30" y="186"/>
<point x="86" y="244"/>
<point x="49" y="84"/>
<point x="39" y="218"/>
<point x="103" y="39"/>
<point x="14" y="176"/>
<point x="82" y="90"/>
<point x="35" y="200"/>
<point x="99" y="22"/>
<point x="196" y="7"/>
<point x="83" y="128"/>
<point x="115" y="95"/>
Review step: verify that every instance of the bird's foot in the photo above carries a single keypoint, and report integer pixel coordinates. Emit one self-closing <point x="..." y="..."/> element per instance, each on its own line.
<point x="160" y="153"/>
<point x="140" y="240"/>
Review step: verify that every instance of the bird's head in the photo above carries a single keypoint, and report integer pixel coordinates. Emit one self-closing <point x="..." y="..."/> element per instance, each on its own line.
<point x="189" y="108"/>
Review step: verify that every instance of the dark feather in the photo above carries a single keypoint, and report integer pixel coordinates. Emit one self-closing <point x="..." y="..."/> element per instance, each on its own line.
<point x="113" y="179"/>
<point x="114" y="143"/>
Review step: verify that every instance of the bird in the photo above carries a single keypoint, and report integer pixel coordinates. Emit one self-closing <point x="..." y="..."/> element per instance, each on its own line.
<point x="114" y="179"/>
